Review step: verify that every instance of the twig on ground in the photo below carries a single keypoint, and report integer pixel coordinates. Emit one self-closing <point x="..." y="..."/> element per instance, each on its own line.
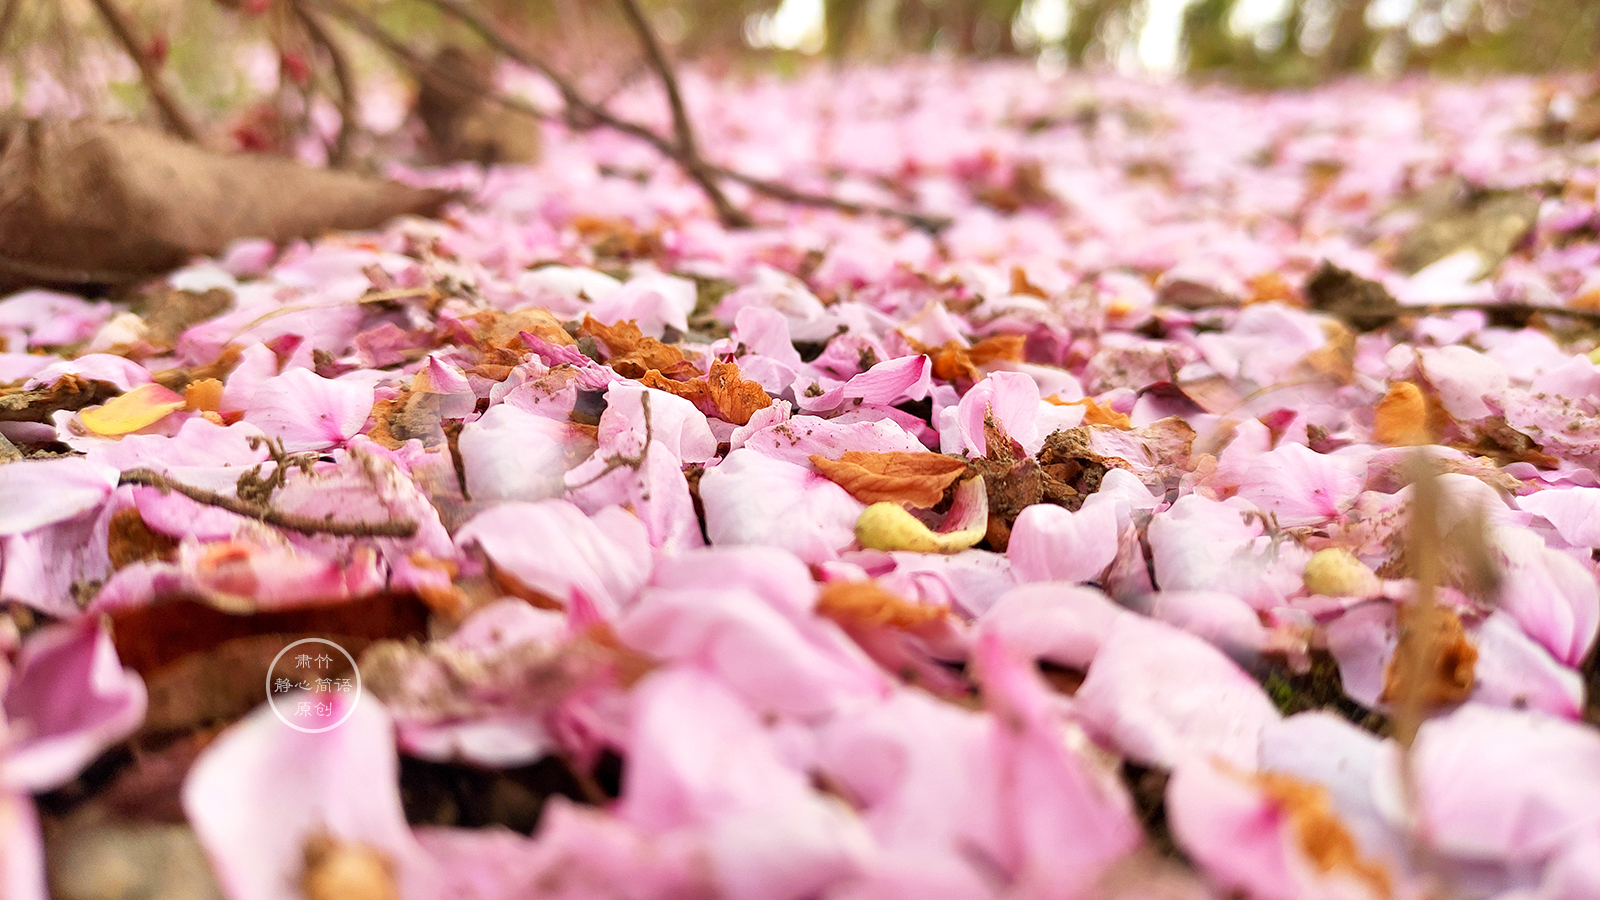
<point x="173" y="115"/>
<point x="583" y="113"/>
<point x="348" y="100"/>
<point x="288" y="521"/>
<point x="688" y="152"/>
<point x="623" y="460"/>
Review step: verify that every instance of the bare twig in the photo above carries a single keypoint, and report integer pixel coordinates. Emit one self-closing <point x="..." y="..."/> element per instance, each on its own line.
<point x="8" y="19"/>
<point x="348" y="100"/>
<point x="177" y="121"/>
<point x="583" y="114"/>
<point x="288" y="521"/>
<point x="688" y="153"/>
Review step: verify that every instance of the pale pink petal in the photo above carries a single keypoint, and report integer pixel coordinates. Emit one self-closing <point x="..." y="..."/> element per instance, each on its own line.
<point x="116" y="370"/>
<point x="887" y="383"/>
<point x="1161" y="696"/>
<point x="1536" y="783"/>
<point x="1574" y="512"/>
<point x="1231" y="831"/>
<point x="1299" y="485"/>
<point x="68" y="700"/>
<point x="553" y="548"/>
<point x="1222" y="620"/>
<point x="1052" y="543"/>
<point x="1012" y="398"/>
<point x="509" y="454"/>
<point x="39" y="492"/>
<point x="261" y="789"/>
<point x="1199" y="544"/>
<point x="752" y="499"/>
<point x="21" y="849"/>
<point x="309" y="412"/>
<point x="1062" y="623"/>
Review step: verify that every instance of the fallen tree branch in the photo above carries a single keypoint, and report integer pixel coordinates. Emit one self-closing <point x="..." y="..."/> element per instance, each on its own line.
<point x="348" y="100"/>
<point x="288" y="521"/>
<point x="688" y="152"/>
<point x="177" y="121"/>
<point x="584" y="114"/>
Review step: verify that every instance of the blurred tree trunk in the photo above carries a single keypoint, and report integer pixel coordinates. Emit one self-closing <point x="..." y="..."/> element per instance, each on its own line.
<point x="1350" y="49"/>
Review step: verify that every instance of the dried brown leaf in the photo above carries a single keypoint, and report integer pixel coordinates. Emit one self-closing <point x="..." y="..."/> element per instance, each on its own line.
<point x="1448" y="672"/>
<point x="1401" y="417"/>
<point x="919" y="479"/>
<point x="866" y="603"/>
<point x="632" y="353"/>
<point x="1323" y="836"/>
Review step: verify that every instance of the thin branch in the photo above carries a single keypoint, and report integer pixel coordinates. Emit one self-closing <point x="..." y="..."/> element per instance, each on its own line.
<point x="288" y="521"/>
<point x="584" y="114"/>
<point x="8" y="20"/>
<point x="348" y="100"/>
<point x="173" y="115"/>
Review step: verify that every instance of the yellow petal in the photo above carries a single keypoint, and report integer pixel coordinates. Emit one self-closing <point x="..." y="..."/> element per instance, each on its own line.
<point x="887" y="526"/>
<point x="139" y="408"/>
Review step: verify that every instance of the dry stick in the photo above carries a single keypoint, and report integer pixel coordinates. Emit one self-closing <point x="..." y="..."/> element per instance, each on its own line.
<point x="688" y="151"/>
<point x="8" y="19"/>
<point x="173" y="115"/>
<point x="288" y="521"/>
<point x="586" y="114"/>
<point x="1418" y="650"/>
<point x="348" y="101"/>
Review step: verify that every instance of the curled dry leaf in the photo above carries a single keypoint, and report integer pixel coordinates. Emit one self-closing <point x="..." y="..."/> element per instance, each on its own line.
<point x="69" y="392"/>
<point x="1094" y="413"/>
<point x="951" y="361"/>
<point x="1323" y="836"/>
<point x="1449" y="673"/>
<point x="723" y="393"/>
<point x="919" y="479"/>
<point x="869" y="603"/>
<point x="85" y="202"/>
<point x="632" y="353"/>
<point x="1401" y="417"/>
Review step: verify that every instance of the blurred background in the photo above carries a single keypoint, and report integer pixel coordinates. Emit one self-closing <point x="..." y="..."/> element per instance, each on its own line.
<point x="256" y="64"/>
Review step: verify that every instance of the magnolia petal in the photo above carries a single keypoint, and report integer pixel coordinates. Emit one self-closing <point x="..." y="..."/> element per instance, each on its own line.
<point x="139" y="408"/>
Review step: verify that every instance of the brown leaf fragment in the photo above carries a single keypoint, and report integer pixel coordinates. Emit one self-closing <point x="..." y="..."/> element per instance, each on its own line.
<point x="1449" y="672"/>
<point x="632" y="353"/>
<point x="1323" y="836"/>
<point x="1094" y="413"/>
<point x="1505" y="445"/>
<point x="723" y="393"/>
<point x="919" y="479"/>
<point x="130" y="540"/>
<point x="497" y="329"/>
<point x="1361" y="303"/>
<point x="168" y="312"/>
<point x="69" y="392"/>
<point x="951" y="361"/>
<point x="867" y="603"/>
<point x="347" y="870"/>
<point x="1401" y="417"/>
<point x="85" y="202"/>
<point x="735" y="398"/>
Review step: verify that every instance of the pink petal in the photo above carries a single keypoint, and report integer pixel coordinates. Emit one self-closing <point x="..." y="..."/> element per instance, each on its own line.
<point x="309" y="412"/>
<point x="39" y="492"/>
<point x="1574" y="512"/>
<point x="1299" y="485"/>
<point x="553" y="548"/>
<point x="1052" y="543"/>
<point x="261" y="789"/>
<point x="1162" y="696"/>
<point x="752" y="499"/>
<point x="68" y="700"/>
<point x="1062" y="623"/>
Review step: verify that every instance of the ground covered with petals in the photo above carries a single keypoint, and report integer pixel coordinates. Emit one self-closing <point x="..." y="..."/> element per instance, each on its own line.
<point x="1063" y="553"/>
